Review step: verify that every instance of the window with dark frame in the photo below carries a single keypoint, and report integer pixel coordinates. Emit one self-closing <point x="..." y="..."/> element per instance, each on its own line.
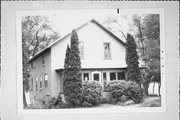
<point x="105" y="79"/>
<point x="104" y="76"/>
<point x="96" y="77"/>
<point x="107" y="50"/>
<point x="43" y="61"/>
<point x="112" y="76"/>
<point x="85" y="76"/>
<point x="36" y="84"/>
<point x="121" y="75"/>
<point x="40" y="84"/>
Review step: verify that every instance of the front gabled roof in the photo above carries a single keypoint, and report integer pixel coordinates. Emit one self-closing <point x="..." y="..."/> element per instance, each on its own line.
<point x="92" y="21"/>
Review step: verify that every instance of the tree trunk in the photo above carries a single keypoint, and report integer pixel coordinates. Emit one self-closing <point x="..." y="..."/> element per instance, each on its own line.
<point x="24" y="100"/>
<point x="159" y="91"/>
<point x="146" y="86"/>
<point x="153" y="87"/>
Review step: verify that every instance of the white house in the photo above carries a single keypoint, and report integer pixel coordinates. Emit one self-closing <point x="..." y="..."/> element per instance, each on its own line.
<point x="102" y="59"/>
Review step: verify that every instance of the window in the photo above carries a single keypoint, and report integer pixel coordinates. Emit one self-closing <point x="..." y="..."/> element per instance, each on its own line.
<point x="45" y="80"/>
<point x="113" y="76"/>
<point x="104" y="76"/>
<point x="40" y="85"/>
<point x="81" y="49"/>
<point x="105" y="79"/>
<point x="36" y="84"/>
<point x="96" y="77"/>
<point x="86" y="76"/>
<point x="43" y="61"/>
<point x="121" y="76"/>
<point x="107" y="51"/>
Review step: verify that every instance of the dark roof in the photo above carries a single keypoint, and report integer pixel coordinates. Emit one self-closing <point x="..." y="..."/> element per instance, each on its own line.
<point x="93" y="21"/>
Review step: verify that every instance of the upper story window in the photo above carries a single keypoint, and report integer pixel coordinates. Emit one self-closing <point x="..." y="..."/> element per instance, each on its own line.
<point x="45" y="80"/>
<point x="43" y="61"/>
<point x="107" y="50"/>
<point x="81" y="49"/>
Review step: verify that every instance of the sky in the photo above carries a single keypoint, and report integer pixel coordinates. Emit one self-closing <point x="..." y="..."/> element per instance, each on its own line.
<point x="67" y="20"/>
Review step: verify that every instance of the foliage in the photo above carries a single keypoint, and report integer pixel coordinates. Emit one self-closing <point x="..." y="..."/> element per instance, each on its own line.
<point x="133" y="71"/>
<point x="134" y="92"/>
<point x="147" y="33"/>
<point x="146" y="30"/>
<point x="123" y="91"/>
<point x="37" y="33"/>
<point x="72" y="78"/>
<point x="126" y="103"/>
<point x="91" y="93"/>
<point x="154" y="104"/>
<point x="56" y="103"/>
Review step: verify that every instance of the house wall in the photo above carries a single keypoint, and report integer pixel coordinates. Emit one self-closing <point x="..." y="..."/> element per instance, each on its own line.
<point x="39" y="69"/>
<point x="93" y="38"/>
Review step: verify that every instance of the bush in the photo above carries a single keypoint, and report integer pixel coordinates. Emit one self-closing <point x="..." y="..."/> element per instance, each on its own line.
<point x="123" y="91"/>
<point x="56" y="103"/>
<point x="126" y="103"/>
<point x="91" y="93"/>
<point x="134" y="92"/>
<point x="154" y="104"/>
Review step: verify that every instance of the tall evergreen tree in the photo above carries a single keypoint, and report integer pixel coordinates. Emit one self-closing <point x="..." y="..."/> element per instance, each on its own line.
<point x="133" y="71"/>
<point x="72" y="77"/>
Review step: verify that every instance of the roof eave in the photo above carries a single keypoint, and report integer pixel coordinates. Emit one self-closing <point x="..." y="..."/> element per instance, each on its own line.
<point x="108" y="31"/>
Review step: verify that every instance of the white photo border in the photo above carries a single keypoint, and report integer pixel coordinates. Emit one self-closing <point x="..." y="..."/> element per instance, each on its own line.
<point x="19" y="15"/>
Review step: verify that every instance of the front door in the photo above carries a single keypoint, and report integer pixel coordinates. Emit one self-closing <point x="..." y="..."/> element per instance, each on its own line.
<point x="96" y="76"/>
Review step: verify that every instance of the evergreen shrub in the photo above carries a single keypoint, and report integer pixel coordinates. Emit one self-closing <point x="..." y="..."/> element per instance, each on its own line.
<point x="56" y="103"/>
<point x="123" y="91"/>
<point x="91" y="93"/>
<point x="72" y="83"/>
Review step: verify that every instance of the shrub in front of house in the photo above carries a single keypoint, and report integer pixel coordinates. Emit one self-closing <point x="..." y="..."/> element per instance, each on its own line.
<point x="72" y="83"/>
<point x="117" y="89"/>
<point x="91" y="93"/>
<point x="154" y="104"/>
<point x="123" y="91"/>
<point x="134" y="92"/>
<point x="56" y="103"/>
